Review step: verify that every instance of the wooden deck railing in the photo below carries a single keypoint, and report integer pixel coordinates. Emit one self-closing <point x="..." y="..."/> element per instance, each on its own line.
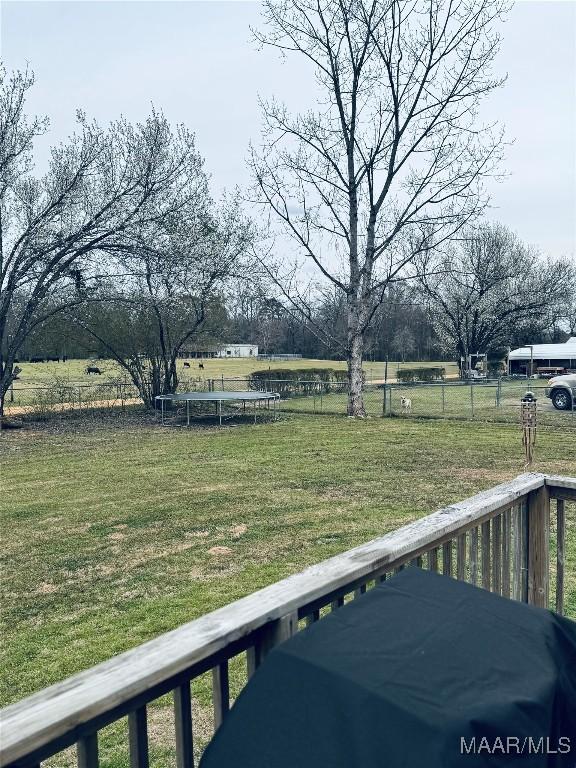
<point x="498" y="539"/>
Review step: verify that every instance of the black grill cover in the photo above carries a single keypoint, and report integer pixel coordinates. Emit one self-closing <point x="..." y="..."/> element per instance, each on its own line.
<point x="422" y="671"/>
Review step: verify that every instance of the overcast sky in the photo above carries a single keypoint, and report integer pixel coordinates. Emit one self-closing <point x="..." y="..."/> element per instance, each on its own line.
<point x="196" y="61"/>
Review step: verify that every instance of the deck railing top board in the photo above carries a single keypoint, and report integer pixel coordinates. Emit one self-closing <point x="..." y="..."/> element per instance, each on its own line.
<point x="48" y="715"/>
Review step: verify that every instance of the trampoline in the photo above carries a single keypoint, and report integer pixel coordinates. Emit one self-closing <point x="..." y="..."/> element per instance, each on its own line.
<point x="220" y="396"/>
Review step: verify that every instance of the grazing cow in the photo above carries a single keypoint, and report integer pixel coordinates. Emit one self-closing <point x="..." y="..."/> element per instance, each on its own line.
<point x="53" y="359"/>
<point x="186" y="365"/>
<point x="406" y="405"/>
<point x="201" y="365"/>
<point x="93" y="369"/>
<point x="37" y="360"/>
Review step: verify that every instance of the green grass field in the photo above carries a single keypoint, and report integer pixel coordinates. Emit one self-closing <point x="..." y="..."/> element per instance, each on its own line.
<point x="480" y="402"/>
<point x="109" y="533"/>
<point x="74" y="371"/>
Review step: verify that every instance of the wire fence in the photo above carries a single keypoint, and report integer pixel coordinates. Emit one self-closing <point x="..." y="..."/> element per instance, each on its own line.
<point x="58" y="398"/>
<point x="496" y="401"/>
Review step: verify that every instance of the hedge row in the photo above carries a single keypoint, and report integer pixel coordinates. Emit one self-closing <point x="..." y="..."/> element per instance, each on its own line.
<point x="420" y="374"/>
<point x="289" y="382"/>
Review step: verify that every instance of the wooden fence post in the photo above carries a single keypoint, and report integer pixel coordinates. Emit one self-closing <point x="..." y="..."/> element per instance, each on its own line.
<point x="272" y="634"/>
<point x="539" y="547"/>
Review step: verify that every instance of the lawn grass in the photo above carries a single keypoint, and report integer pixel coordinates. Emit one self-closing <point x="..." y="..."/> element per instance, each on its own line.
<point x="108" y="532"/>
<point x="481" y="402"/>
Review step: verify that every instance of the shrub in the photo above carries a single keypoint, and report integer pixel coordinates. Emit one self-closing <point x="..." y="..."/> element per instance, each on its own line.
<point x="291" y="382"/>
<point x="409" y="375"/>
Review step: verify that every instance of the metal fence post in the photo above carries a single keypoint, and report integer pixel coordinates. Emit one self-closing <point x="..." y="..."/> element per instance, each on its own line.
<point x="472" y="398"/>
<point x="443" y="399"/>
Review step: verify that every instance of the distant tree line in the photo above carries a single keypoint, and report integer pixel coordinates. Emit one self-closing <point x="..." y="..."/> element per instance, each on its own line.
<point x="488" y="306"/>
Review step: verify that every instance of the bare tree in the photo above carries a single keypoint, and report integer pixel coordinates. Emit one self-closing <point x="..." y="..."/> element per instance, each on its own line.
<point x="103" y="189"/>
<point x="567" y="313"/>
<point x="171" y="293"/>
<point x="392" y="162"/>
<point x="490" y="286"/>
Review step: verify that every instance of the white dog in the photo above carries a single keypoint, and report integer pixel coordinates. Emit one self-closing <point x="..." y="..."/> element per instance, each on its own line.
<point x="406" y="404"/>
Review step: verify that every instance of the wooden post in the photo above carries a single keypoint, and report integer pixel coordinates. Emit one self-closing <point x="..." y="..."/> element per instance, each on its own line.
<point x="433" y="560"/>
<point x="138" y="738"/>
<point x="474" y="556"/>
<point x="447" y="558"/>
<point x="560" y="546"/>
<point x="220" y="693"/>
<point x="87" y="751"/>
<point x="461" y="557"/>
<point x="183" y="726"/>
<point x="506" y="547"/>
<point x="538" y="547"/>
<point x="272" y="634"/>
<point x="497" y="554"/>
<point x="485" y="557"/>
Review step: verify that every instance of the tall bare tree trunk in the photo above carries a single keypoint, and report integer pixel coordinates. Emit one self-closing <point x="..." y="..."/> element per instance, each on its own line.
<point x="354" y="360"/>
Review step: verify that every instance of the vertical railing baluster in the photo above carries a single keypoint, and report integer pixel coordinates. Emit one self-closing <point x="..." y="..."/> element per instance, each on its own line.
<point x="506" y="547"/>
<point x="497" y="554"/>
<point x="87" y="751"/>
<point x="220" y="693"/>
<point x="520" y="552"/>
<point x="313" y="617"/>
<point x="447" y="558"/>
<point x="474" y="556"/>
<point x="138" y="738"/>
<point x="433" y="560"/>
<point x="461" y="557"/>
<point x="252" y="660"/>
<point x="338" y="603"/>
<point x="560" y="546"/>
<point x="486" y="554"/>
<point x="183" y="726"/>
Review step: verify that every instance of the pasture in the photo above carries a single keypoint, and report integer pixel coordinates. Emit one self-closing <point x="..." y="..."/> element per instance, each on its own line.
<point x="74" y="371"/>
<point x="116" y="534"/>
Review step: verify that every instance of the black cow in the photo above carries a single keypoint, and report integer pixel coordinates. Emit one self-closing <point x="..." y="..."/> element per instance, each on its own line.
<point x="186" y="365"/>
<point x="53" y="359"/>
<point x="93" y="369"/>
<point x="37" y="360"/>
<point x="201" y="365"/>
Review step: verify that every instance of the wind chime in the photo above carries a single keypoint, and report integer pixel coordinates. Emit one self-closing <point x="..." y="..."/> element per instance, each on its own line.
<point x="528" y="421"/>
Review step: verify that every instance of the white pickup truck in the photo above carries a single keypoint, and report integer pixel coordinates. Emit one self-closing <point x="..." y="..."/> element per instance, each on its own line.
<point x="562" y="391"/>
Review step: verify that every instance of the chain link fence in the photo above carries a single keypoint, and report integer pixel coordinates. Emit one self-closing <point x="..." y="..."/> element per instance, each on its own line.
<point x="492" y="401"/>
<point x="497" y="401"/>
